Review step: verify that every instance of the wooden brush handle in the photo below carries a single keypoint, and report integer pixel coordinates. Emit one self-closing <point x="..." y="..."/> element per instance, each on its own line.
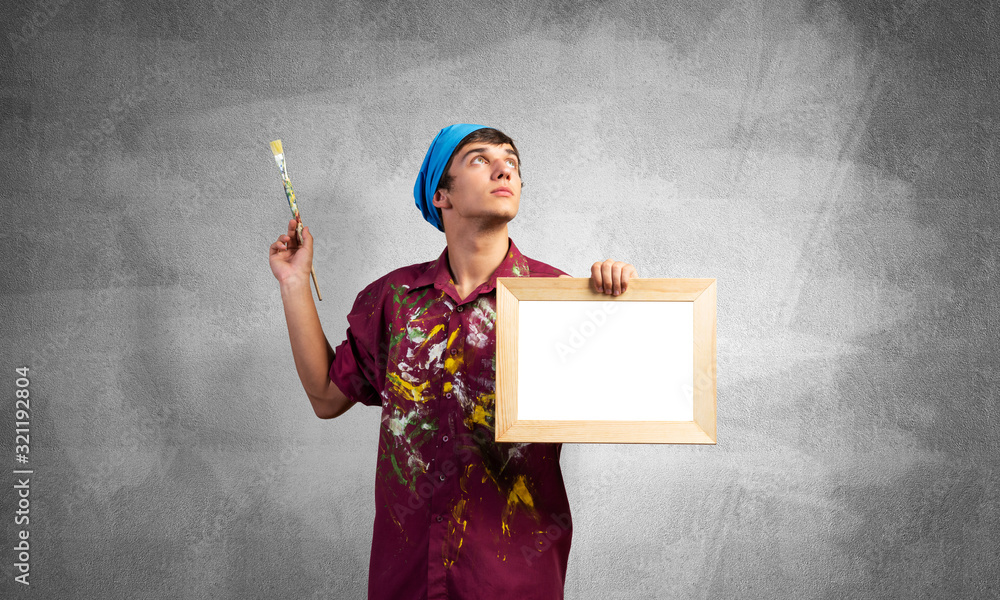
<point x="313" y="272"/>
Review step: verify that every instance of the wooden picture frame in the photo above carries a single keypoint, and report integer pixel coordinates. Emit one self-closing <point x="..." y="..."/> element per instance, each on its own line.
<point x="566" y="376"/>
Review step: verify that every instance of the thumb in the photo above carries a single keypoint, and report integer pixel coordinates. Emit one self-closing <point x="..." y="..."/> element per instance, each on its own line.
<point x="307" y="237"/>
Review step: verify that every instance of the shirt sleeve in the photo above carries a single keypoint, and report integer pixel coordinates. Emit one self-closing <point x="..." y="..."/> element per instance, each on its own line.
<point x="355" y="362"/>
<point x="540" y="269"/>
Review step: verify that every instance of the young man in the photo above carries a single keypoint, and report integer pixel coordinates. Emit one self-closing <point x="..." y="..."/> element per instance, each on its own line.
<point x="458" y="515"/>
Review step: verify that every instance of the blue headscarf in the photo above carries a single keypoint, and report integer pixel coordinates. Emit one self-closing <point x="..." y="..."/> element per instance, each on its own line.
<point x="441" y="149"/>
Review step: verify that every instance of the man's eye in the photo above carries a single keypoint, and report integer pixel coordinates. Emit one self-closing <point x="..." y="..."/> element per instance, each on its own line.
<point x="512" y="163"/>
<point x="479" y="158"/>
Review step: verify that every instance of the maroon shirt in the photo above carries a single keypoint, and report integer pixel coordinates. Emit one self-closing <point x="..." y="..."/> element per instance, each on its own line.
<point x="457" y="514"/>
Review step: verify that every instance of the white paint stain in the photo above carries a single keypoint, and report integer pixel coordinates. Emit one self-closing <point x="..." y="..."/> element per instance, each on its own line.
<point x="481" y="323"/>
<point x="416" y="461"/>
<point x="475" y="338"/>
<point x="397" y="424"/>
<point x="460" y="393"/>
<point x="434" y="355"/>
<point x="404" y="370"/>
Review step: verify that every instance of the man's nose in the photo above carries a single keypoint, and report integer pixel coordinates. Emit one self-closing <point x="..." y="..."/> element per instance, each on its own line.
<point x="504" y="171"/>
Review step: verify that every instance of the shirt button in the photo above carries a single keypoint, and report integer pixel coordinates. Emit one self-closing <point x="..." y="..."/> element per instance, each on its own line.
<point x="447" y="395"/>
<point x="461" y="308"/>
<point x="439" y="518"/>
<point x="454" y="352"/>
<point x="441" y="477"/>
<point x="444" y="439"/>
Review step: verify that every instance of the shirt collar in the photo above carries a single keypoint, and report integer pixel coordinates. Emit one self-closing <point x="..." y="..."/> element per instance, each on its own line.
<point x="514" y="264"/>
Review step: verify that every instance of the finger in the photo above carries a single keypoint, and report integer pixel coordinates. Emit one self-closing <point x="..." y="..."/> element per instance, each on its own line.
<point x="595" y="277"/>
<point x="307" y="238"/>
<point x="285" y="240"/>
<point x="607" y="275"/>
<point x="627" y="274"/>
<point x="616" y="276"/>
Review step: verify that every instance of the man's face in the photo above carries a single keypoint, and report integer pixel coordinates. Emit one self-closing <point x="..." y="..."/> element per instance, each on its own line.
<point x="485" y="185"/>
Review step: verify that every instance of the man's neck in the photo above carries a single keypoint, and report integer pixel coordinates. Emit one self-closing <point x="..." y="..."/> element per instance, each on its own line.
<point x="472" y="258"/>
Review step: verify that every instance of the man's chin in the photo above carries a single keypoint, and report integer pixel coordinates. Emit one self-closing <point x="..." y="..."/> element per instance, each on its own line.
<point x="490" y="221"/>
<point x="495" y="220"/>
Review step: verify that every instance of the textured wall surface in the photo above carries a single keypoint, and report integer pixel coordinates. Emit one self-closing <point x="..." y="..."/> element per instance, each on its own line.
<point x="832" y="164"/>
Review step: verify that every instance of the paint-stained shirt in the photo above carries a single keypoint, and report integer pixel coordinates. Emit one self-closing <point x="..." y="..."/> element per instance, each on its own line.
<point x="457" y="514"/>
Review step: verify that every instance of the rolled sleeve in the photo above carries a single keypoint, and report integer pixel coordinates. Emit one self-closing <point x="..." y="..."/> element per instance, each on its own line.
<point x="355" y="366"/>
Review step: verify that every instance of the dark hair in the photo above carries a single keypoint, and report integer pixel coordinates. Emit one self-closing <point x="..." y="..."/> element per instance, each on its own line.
<point x="493" y="137"/>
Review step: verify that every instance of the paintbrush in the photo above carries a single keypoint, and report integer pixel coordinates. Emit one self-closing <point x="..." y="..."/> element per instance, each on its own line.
<point x="279" y="157"/>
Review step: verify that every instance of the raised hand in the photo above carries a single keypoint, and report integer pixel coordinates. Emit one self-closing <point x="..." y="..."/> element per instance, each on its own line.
<point x="611" y="276"/>
<point x="290" y="259"/>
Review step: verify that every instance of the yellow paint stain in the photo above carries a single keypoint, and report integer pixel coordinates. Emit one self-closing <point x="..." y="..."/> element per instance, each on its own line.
<point x="454" y="533"/>
<point x="451" y="364"/>
<point x="518" y="494"/>
<point x="539" y="535"/>
<point x="430" y="335"/>
<point x="482" y="410"/>
<point x="464" y="478"/>
<point x="451" y="338"/>
<point x="458" y="511"/>
<point x="407" y="389"/>
<point x="479" y="416"/>
<point x="447" y="386"/>
<point x="521" y="492"/>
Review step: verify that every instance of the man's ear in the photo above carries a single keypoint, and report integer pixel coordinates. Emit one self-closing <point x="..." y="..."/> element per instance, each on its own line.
<point x="441" y="199"/>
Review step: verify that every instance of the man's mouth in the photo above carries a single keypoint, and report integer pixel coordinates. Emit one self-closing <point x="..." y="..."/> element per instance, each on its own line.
<point x="502" y="191"/>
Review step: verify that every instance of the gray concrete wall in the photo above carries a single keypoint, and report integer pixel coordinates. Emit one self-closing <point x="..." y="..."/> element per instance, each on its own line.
<point x="832" y="164"/>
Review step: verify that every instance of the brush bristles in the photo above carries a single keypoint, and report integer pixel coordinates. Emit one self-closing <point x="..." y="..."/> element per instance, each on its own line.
<point x="276" y="147"/>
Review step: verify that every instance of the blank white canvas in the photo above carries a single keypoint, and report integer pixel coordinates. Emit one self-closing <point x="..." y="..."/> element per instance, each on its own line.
<point x="619" y="361"/>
